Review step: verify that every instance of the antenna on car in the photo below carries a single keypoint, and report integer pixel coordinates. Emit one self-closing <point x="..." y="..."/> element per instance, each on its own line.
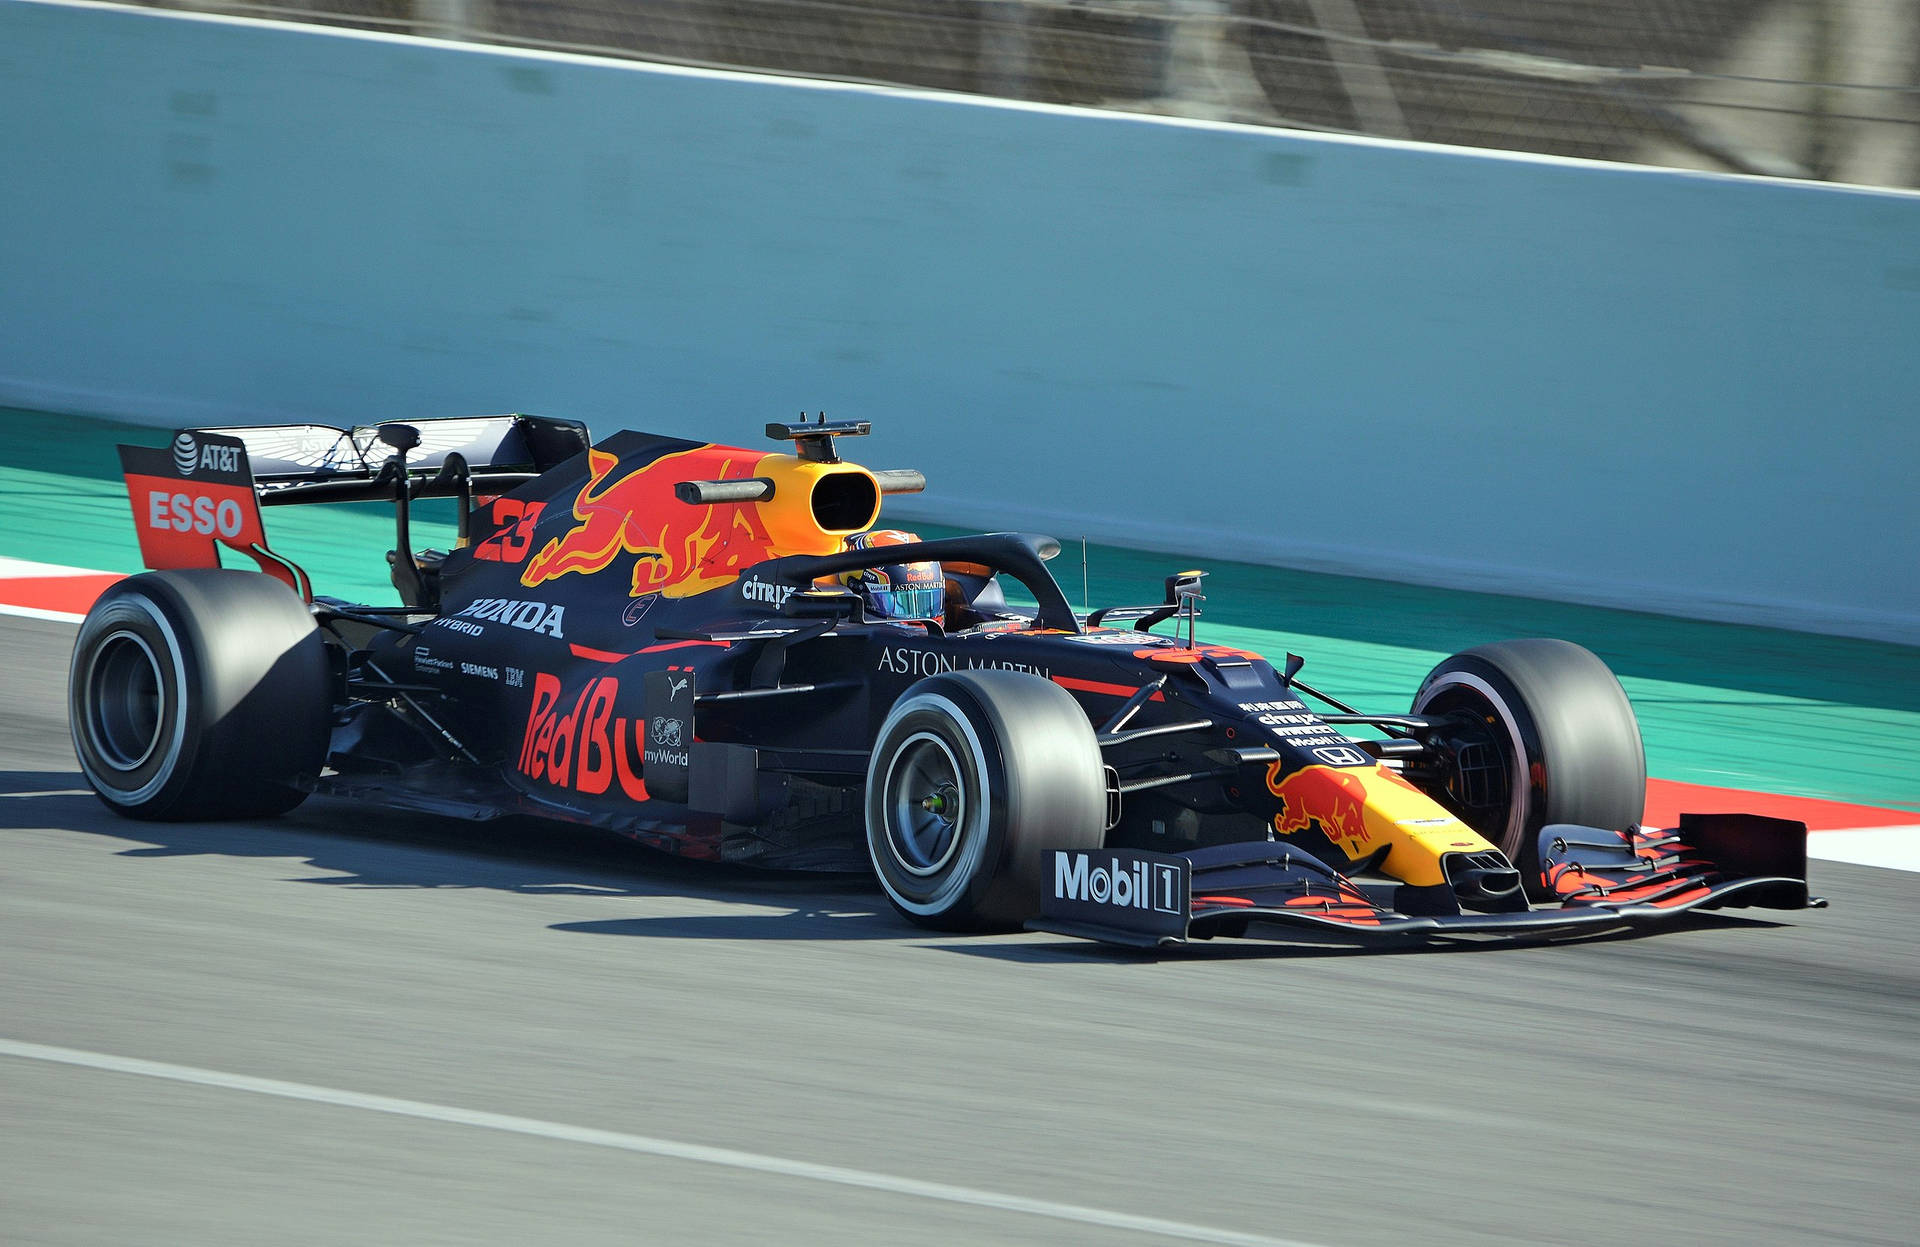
<point x="1086" y="594"/>
<point x="813" y="440"/>
<point x="1183" y="592"/>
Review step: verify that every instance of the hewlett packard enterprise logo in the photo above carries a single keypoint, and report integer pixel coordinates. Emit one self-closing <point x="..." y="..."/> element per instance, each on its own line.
<point x="1124" y="884"/>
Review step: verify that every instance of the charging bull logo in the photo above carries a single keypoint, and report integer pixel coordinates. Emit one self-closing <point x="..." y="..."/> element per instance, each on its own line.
<point x="682" y="549"/>
<point x="1334" y="797"/>
<point x="1362" y="809"/>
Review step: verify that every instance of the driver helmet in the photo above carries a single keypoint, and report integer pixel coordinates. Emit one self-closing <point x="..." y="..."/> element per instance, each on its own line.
<point x="897" y="590"/>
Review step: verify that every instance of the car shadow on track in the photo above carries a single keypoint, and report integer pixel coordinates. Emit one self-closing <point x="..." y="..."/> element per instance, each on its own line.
<point x="364" y="847"/>
<point x="834" y="923"/>
<point x="1067" y="950"/>
<point x="860" y="922"/>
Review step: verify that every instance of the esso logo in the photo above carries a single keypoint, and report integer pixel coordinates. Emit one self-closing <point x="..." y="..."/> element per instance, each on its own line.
<point x="191" y="513"/>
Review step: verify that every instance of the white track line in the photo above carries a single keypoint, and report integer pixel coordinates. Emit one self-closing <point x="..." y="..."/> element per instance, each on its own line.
<point x="1892" y="848"/>
<point x="727" y="1157"/>
<point x="10" y="566"/>
<point x="34" y="612"/>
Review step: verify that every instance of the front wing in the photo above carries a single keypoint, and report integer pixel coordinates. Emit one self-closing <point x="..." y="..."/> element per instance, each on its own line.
<point x="1602" y="880"/>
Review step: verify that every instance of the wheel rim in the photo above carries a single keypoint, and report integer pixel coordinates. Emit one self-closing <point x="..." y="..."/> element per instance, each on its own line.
<point x="926" y="805"/>
<point x="125" y="701"/>
<point x="1464" y="693"/>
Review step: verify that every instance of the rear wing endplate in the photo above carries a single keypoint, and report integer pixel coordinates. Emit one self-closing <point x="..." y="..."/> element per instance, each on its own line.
<point x="195" y="495"/>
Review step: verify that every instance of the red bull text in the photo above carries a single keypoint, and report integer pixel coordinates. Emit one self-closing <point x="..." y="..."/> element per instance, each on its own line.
<point x="587" y="748"/>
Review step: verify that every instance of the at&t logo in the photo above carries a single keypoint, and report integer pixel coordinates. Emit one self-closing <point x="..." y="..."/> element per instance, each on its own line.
<point x="189" y="455"/>
<point x="186" y="453"/>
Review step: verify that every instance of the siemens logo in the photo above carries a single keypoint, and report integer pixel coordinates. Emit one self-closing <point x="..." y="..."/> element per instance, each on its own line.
<point x="1151" y="886"/>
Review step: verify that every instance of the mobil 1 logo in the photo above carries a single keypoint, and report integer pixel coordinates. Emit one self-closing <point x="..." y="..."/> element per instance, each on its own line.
<point x="1135" y="891"/>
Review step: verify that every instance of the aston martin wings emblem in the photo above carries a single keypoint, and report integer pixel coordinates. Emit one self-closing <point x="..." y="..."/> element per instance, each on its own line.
<point x="299" y="449"/>
<point x="475" y="437"/>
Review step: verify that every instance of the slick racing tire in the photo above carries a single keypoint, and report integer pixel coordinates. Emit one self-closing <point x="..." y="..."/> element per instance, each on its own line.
<point x="975" y="779"/>
<point x="1545" y="735"/>
<point x="197" y="694"/>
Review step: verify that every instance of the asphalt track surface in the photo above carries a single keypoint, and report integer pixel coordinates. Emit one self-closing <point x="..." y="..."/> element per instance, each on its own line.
<point x="345" y="1026"/>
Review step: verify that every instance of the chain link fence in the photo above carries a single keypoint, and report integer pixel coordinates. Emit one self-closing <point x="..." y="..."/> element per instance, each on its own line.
<point x="1826" y="89"/>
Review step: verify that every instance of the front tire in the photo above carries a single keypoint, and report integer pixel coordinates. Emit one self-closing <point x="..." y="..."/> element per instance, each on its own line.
<point x="200" y="693"/>
<point x="1545" y="735"/>
<point x="975" y="777"/>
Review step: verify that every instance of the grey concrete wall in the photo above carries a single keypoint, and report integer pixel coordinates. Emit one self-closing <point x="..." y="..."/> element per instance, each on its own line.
<point x="1602" y="383"/>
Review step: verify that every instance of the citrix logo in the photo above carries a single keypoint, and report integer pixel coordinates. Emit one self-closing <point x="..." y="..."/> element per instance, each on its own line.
<point x="753" y="589"/>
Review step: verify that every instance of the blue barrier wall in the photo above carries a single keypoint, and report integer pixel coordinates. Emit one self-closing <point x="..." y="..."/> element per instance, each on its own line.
<point x="1601" y="383"/>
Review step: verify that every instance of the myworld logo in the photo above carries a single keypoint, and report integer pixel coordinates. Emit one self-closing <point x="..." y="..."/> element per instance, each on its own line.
<point x="1136" y="884"/>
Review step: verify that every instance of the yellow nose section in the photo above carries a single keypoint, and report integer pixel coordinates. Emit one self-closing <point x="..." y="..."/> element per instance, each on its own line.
<point x="1364" y="808"/>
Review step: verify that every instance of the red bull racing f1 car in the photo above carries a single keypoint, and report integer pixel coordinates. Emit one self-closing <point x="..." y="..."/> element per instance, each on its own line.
<point x="712" y="650"/>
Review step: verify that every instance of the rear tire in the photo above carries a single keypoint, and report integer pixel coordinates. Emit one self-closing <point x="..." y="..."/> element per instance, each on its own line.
<point x="1562" y="730"/>
<point x="975" y="778"/>
<point x="200" y="693"/>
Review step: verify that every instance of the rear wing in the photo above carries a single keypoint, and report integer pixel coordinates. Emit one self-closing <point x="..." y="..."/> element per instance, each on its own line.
<point x="321" y="463"/>
<point x="204" y="490"/>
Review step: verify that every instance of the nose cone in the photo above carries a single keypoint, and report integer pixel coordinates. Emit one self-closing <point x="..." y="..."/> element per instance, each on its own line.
<point x="1484" y="881"/>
